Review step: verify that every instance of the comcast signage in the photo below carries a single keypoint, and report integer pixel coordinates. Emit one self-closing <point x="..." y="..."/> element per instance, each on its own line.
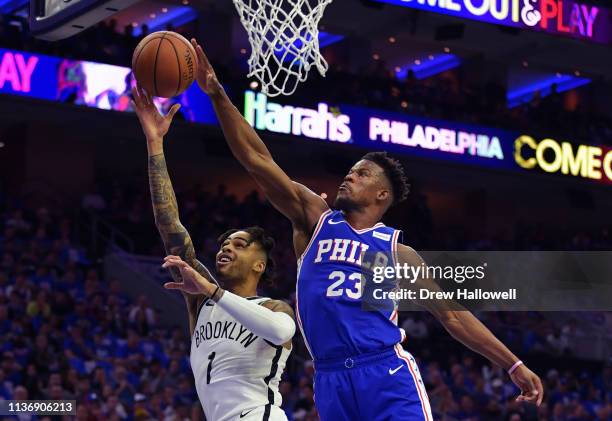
<point x="551" y="156"/>
<point x="560" y="17"/>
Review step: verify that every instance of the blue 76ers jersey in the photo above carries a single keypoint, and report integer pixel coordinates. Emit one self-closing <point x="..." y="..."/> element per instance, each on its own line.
<point x="329" y="295"/>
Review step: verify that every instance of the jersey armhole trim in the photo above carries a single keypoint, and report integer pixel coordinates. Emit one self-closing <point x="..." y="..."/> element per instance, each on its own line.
<point x="394" y="247"/>
<point x="276" y="346"/>
<point x="315" y="232"/>
<point x="202" y="304"/>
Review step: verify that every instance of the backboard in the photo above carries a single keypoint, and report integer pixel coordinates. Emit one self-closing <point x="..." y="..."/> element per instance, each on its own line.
<point x="53" y="20"/>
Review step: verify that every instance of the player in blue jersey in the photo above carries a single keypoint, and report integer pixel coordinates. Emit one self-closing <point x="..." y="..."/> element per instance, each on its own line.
<point x="362" y="371"/>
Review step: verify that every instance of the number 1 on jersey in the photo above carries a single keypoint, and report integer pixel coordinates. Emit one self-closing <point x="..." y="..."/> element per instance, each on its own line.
<point x="211" y="357"/>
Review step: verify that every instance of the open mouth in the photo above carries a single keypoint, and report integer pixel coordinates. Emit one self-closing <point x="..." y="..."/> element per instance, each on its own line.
<point x="343" y="187"/>
<point x="224" y="259"/>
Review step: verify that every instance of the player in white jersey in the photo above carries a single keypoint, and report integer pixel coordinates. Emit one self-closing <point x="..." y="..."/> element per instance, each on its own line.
<point x="239" y="342"/>
<point x="238" y="348"/>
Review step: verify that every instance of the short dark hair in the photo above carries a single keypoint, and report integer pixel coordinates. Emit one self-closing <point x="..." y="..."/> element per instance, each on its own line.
<point x="394" y="171"/>
<point x="266" y="242"/>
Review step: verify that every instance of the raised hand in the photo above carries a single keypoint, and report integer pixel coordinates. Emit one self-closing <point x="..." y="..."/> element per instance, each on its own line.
<point x="530" y="384"/>
<point x="154" y="125"/>
<point x="206" y="77"/>
<point x="191" y="281"/>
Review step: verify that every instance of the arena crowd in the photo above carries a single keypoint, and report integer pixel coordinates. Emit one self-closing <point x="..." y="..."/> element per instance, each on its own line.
<point x="69" y="332"/>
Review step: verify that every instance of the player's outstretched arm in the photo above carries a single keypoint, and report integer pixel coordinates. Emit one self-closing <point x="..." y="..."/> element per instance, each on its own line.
<point x="175" y="237"/>
<point x="272" y="321"/>
<point x="295" y="201"/>
<point x="471" y="332"/>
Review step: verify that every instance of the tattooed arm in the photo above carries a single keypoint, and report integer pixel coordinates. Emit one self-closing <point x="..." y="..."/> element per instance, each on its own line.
<point x="174" y="235"/>
<point x="165" y="208"/>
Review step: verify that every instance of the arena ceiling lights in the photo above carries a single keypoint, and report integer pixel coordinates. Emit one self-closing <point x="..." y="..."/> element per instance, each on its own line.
<point x="175" y="16"/>
<point x="428" y="66"/>
<point x="11" y="6"/>
<point x="561" y="83"/>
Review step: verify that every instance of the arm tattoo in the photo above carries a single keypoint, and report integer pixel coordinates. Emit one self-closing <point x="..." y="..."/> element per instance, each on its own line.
<point x="177" y="240"/>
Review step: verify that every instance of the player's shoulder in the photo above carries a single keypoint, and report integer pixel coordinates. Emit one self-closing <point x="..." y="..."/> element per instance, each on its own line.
<point x="278" y="305"/>
<point x="313" y="205"/>
<point x="407" y="254"/>
<point x="204" y="303"/>
<point x="335" y="216"/>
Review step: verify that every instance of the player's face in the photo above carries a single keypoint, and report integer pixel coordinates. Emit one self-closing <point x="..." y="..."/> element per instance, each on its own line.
<point x="237" y="256"/>
<point x="360" y="187"/>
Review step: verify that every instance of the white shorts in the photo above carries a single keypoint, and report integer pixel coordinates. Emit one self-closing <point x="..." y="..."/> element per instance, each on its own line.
<point x="256" y="414"/>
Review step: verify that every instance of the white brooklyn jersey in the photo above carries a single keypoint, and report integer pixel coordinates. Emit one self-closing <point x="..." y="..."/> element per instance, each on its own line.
<point x="236" y="372"/>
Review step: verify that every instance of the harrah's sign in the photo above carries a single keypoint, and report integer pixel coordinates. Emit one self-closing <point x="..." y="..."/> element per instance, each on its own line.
<point x="366" y="128"/>
<point x="286" y="119"/>
<point x="565" y="17"/>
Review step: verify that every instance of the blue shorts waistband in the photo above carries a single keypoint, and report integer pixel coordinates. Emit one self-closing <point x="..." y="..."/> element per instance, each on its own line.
<point x="355" y="361"/>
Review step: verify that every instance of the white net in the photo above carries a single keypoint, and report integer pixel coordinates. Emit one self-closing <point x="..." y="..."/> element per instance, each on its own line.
<point x="284" y="38"/>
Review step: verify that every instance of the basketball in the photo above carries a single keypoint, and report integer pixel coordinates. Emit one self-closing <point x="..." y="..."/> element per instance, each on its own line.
<point x="164" y="64"/>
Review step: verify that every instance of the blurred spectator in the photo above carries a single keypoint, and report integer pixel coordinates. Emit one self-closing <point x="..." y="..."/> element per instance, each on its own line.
<point x="304" y="405"/>
<point x="142" y="317"/>
<point x="558" y="342"/>
<point x="94" y="201"/>
<point x="415" y="328"/>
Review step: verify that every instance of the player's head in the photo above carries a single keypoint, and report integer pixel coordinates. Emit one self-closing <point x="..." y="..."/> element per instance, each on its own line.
<point x="244" y="254"/>
<point x="375" y="180"/>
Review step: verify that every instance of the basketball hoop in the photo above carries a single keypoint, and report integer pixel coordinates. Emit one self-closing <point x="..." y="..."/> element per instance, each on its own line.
<point x="284" y="38"/>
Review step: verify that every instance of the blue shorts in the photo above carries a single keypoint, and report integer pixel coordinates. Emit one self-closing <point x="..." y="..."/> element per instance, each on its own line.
<point x="381" y="386"/>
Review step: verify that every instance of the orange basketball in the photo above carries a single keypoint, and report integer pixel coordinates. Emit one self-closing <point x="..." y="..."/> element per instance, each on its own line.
<point x="164" y="64"/>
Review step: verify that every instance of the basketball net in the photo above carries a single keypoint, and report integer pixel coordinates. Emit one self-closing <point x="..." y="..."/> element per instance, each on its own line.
<point x="284" y="38"/>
